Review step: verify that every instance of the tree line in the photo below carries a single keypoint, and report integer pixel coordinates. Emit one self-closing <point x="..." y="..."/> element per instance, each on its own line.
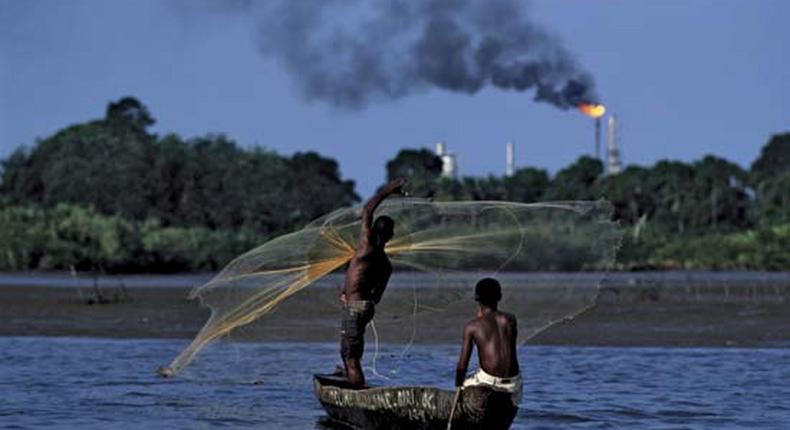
<point x="180" y="204"/>
<point x="707" y="214"/>
<point x="111" y="195"/>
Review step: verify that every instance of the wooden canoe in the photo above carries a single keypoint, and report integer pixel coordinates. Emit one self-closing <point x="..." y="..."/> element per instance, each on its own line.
<point x="412" y="408"/>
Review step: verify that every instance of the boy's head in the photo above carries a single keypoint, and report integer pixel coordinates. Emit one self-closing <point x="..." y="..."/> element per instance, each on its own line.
<point x="488" y="292"/>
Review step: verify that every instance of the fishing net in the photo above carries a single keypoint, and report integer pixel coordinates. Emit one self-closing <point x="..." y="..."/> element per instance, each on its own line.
<point x="439" y="251"/>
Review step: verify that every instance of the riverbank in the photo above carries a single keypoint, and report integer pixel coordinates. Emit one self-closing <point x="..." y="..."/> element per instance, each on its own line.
<point x="634" y="310"/>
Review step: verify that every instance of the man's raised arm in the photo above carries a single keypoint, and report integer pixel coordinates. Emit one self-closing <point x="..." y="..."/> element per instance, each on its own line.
<point x="392" y="187"/>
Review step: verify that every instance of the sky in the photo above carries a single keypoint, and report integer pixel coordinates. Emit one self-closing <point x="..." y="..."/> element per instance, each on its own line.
<point x="684" y="78"/>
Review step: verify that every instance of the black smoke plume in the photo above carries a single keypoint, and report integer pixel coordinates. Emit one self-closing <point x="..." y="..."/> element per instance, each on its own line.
<point x="352" y="52"/>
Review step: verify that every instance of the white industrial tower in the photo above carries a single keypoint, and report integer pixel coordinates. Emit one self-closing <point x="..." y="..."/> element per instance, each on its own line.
<point x="613" y="162"/>
<point x="449" y="166"/>
<point x="510" y="159"/>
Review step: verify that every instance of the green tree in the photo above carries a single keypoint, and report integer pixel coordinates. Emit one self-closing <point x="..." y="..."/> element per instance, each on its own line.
<point x="773" y="199"/>
<point x="420" y="166"/>
<point x="116" y="167"/>
<point x="90" y="164"/>
<point x="526" y="185"/>
<point x="448" y="189"/>
<point x="102" y="163"/>
<point x="167" y="177"/>
<point x="484" y="188"/>
<point x="627" y="193"/>
<point x="86" y="240"/>
<point x="670" y="183"/>
<point x="770" y="177"/>
<point x="23" y="237"/>
<point x="316" y="186"/>
<point x="129" y="111"/>
<point x="15" y="181"/>
<point x="774" y="158"/>
<point x="577" y="181"/>
<point x="719" y="195"/>
<point x="210" y="194"/>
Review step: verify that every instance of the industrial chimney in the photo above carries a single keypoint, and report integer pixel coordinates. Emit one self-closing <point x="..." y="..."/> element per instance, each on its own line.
<point x="510" y="159"/>
<point x="613" y="162"/>
<point x="449" y="165"/>
<point x="440" y="148"/>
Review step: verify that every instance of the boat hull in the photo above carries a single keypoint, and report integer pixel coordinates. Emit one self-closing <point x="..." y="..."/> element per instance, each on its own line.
<point x="412" y="407"/>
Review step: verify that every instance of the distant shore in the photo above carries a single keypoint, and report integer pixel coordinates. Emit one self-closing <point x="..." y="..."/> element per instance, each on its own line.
<point x="637" y="309"/>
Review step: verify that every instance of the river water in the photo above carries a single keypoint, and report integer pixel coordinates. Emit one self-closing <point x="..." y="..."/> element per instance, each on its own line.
<point x="101" y="383"/>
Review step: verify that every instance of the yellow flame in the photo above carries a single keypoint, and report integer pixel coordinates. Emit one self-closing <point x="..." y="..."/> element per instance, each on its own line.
<point x="592" y="110"/>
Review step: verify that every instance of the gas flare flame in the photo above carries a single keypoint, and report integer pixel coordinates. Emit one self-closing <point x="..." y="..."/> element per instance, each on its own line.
<point x="592" y="110"/>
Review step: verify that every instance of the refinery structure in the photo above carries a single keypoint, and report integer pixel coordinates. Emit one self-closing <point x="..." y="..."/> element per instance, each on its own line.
<point x="449" y="164"/>
<point x="613" y="163"/>
<point x="611" y="157"/>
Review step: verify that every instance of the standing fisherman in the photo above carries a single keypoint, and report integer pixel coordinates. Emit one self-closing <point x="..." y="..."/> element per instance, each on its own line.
<point x="366" y="278"/>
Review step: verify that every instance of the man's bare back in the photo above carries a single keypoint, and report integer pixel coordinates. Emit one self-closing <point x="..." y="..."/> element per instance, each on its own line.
<point x="367" y="275"/>
<point x="494" y="333"/>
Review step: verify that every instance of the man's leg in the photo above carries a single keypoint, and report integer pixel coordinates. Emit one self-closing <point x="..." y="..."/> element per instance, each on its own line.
<point x="352" y="346"/>
<point x="343" y="353"/>
<point x="354" y="362"/>
<point x="354" y="372"/>
<point x="347" y="333"/>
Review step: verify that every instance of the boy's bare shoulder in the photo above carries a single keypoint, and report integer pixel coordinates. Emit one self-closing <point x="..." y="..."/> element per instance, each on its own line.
<point x="508" y="316"/>
<point x="472" y="323"/>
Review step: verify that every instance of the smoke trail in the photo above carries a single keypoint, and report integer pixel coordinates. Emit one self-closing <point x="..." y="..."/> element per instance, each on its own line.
<point x="351" y="52"/>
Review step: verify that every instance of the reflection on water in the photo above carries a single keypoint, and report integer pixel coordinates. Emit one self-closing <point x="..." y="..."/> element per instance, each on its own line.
<point x="98" y="383"/>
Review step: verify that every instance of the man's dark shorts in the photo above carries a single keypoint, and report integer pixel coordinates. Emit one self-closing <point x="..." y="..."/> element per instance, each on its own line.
<point x="356" y="316"/>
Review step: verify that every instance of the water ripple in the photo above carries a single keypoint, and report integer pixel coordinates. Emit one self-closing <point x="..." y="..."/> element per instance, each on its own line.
<point x="100" y="383"/>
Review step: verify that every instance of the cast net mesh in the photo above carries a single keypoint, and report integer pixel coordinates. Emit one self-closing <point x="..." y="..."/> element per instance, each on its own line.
<point x="439" y="251"/>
